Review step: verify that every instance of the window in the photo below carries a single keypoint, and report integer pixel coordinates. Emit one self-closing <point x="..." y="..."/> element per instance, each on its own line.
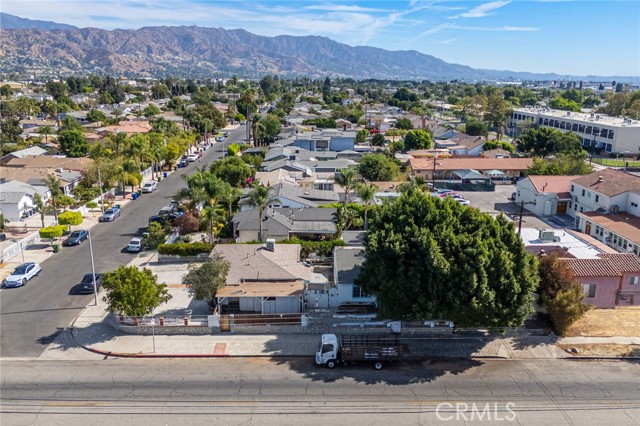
<point x="583" y="192"/>
<point x="588" y="131"/>
<point x="574" y="127"/>
<point x="588" y="195"/>
<point x="573" y="188"/>
<point x="597" y="198"/>
<point x="634" y="204"/>
<point x="589" y="290"/>
<point x="358" y="292"/>
<point x="610" y="134"/>
<point x="581" y="128"/>
<point x="604" y="133"/>
<point x="634" y="280"/>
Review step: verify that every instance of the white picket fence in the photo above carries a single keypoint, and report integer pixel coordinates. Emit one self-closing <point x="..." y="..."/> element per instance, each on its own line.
<point x="16" y="248"/>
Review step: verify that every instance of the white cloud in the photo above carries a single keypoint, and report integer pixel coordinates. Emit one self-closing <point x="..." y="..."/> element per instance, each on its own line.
<point x="484" y="9"/>
<point x="451" y="26"/>
<point x="342" y="8"/>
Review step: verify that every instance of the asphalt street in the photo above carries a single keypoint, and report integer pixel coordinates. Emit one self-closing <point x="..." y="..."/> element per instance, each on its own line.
<point x="279" y="392"/>
<point x="32" y="316"/>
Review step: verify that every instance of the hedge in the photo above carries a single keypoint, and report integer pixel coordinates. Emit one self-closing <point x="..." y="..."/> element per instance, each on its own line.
<point x="185" y="249"/>
<point x="321" y="248"/>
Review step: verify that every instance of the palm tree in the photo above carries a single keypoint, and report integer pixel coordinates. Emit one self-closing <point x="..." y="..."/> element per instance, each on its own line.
<point x="205" y="189"/>
<point x="53" y="184"/>
<point x="260" y="197"/>
<point x="346" y="178"/>
<point x="40" y="208"/>
<point x="46" y="131"/>
<point x="367" y="193"/>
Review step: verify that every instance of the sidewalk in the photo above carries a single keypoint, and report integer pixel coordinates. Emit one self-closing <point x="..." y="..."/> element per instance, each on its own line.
<point x="94" y="335"/>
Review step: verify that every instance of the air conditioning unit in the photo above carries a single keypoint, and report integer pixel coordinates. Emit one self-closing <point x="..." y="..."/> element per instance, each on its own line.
<point x="548" y="235"/>
<point x="270" y="244"/>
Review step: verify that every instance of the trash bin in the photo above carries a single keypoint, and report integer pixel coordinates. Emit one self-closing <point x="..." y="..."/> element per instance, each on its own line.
<point x="134" y="196"/>
<point x="165" y="174"/>
<point x="56" y="248"/>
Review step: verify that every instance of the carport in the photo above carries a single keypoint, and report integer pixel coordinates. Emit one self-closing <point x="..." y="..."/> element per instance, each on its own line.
<point x="263" y="297"/>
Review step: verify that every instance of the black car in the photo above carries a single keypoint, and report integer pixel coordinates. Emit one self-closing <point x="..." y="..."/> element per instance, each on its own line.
<point x="86" y="285"/>
<point x="163" y="218"/>
<point x="76" y="237"/>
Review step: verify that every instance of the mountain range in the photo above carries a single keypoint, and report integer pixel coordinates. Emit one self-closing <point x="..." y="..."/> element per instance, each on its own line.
<point x="216" y="52"/>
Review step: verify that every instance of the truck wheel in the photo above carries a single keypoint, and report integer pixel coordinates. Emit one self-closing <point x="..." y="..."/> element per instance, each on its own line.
<point x="331" y="363"/>
<point x="378" y="366"/>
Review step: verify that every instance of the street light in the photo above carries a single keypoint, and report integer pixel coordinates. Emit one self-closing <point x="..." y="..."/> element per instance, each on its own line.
<point x="93" y="271"/>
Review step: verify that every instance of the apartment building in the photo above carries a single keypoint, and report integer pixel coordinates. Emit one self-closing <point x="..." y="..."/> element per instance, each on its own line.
<point x="611" y="134"/>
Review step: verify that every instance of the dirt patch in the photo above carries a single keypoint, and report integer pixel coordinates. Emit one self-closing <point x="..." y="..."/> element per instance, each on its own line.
<point x="603" y="349"/>
<point x="608" y="322"/>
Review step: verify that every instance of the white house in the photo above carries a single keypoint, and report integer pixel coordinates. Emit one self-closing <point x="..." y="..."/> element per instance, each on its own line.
<point x="545" y="195"/>
<point x="607" y="190"/>
<point x="16" y="199"/>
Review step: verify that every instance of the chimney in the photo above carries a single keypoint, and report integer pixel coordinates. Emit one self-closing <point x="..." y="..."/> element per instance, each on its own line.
<point x="600" y="179"/>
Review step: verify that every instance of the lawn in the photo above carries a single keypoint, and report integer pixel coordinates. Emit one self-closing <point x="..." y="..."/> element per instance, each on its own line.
<point x="612" y="162"/>
<point x="624" y="321"/>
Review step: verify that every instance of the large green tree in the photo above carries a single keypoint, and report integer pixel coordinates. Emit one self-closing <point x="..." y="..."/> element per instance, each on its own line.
<point x="417" y="139"/>
<point x="133" y="292"/>
<point x="378" y="167"/>
<point x="73" y="143"/>
<point x="561" y="165"/>
<point x="544" y="142"/>
<point x="428" y="258"/>
<point x="232" y="170"/>
<point x="204" y="280"/>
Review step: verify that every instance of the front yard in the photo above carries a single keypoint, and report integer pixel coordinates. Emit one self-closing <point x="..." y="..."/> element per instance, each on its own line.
<point x="608" y="322"/>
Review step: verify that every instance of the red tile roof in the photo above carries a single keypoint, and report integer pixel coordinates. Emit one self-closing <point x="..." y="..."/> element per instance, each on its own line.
<point x="624" y="262"/>
<point x="613" y="182"/>
<point x="592" y="267"/>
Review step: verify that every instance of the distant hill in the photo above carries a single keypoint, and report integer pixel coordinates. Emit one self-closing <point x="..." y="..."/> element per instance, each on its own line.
<point x="11" y="22"/>
<point x="217" y="52"/>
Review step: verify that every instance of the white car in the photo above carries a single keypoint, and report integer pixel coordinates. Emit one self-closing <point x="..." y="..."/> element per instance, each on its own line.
<point x="192" y="157"/>
<point x="149" y="187"/>
<point x="22" y="274"/>
<point x="135" y="245"/>
<point x="463" y="201"/>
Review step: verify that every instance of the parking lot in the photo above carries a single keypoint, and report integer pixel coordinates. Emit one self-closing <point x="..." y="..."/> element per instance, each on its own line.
<point x="499" y="201"/>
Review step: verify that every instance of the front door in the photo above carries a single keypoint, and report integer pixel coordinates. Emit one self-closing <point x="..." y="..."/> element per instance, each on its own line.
<point x="562" y="207"/>
<point x="587" y="228"/>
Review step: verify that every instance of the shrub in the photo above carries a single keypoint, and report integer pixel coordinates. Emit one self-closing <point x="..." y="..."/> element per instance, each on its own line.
<point x="185" y="249"/>
<point x="54" y="231"/>
<point x="91" y="205"/>
<point x="321" y="248"/>
<point x="188" y="222"/>
<point x="70" y="218"/>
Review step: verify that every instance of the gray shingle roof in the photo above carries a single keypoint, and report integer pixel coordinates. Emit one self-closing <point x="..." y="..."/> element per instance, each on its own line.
<point x="347" y="262"/>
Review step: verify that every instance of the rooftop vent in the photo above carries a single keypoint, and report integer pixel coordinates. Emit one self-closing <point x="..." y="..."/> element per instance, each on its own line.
<point x="600" y="179"/>
<point x="270" y="244"/>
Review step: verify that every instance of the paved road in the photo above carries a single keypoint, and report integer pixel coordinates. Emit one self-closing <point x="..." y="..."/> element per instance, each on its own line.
<point x="262" y="392"/>
<point x="32" y="316"/>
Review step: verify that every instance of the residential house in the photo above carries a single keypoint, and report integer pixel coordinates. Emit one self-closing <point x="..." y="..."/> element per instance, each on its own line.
<point x="16" y="199"/>
<point x="283" y="223"/>
<point x="607" y="190"/>
<point x="347" y="262"/>
<point x="265" y="279"/>
<point x="35" y="169"/>
<point x="462" y="145"/>
<point x="608" y="281"/>
<point x="128" y="127"/>
<point x="496" y="153"/>
<point x="326" y="140"/>
<point x="27" y="152"/>
<point x="545" y="195"/>
<point x="620" y="231"/>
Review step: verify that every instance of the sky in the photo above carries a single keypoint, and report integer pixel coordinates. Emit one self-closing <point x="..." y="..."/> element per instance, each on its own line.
<point x="576" y="37"/>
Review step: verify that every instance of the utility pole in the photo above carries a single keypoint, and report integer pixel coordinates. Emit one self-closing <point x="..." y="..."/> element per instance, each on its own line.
<point x="101" y="196"/>
<point x="522" y="203"/>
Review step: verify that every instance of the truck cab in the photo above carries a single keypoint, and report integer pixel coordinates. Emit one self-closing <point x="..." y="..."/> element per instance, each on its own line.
<point x="328" y="352"/>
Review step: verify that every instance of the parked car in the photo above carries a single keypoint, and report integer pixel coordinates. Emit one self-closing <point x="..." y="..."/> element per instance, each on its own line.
<point x="135" y="245"/>
<point x="149" y="187"/>
<point x="165" y="218"/>
<point x="220" y="139"/>
<point x="445" y="191"/>
<point x="463" y="202"/>
<point x="86" y="285"/>
<point x="184" y="162"/>
<point x="110" y="215"/>
<point x="22" y="274"/>
<point x="3" y="236"/>
<point x="226" y="134"/>
<point x="192" y="157"/>
<point x="76" y="237"/>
